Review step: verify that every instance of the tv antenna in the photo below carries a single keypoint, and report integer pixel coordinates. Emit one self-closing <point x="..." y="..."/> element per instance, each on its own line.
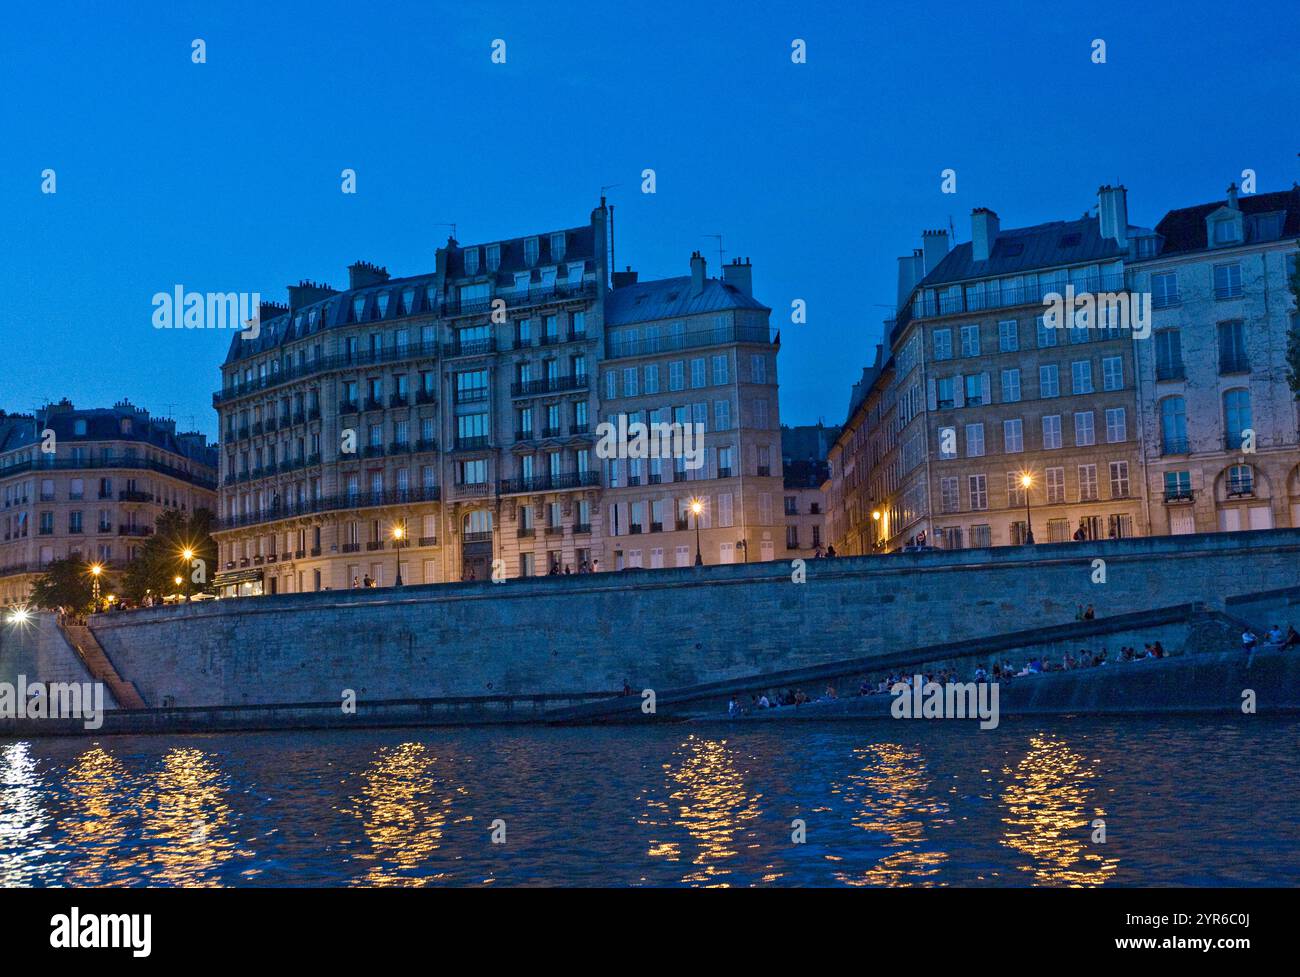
<point x="447" y="224"/>
<point x="720" y="251"/>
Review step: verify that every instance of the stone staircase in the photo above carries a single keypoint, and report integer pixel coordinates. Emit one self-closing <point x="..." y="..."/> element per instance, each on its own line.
<point x="101" y="669"/>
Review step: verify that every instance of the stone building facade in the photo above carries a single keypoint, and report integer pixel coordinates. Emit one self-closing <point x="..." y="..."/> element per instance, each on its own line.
<point x="445" y="426"/>
<point x="91" y="483"/>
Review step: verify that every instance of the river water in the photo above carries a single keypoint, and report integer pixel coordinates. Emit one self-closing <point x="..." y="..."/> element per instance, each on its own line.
<point x="1188" y="801"/>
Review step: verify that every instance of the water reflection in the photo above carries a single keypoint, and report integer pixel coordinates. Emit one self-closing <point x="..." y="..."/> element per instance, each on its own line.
<point x="94" y="832"/>
<point x="405" y="808"/>
<point x="187" y="820"/>
<point x="706" y="798"/>
<point x="892" y="801"/>
<point x="23" y="819"/>
<point x="1048" y="817"/>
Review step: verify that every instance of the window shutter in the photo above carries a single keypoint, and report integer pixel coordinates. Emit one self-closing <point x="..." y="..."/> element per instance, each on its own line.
<point x="959" y="391"/>
<point x="986" y="395"/>
<point x="932" y="394"/>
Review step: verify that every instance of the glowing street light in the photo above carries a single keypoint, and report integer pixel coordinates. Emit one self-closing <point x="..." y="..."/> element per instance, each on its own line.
<point x="96" y="569"/>
<point x="1027" y="482"/>
<point x="697" y="507"/>
<point x="399" y="533"/>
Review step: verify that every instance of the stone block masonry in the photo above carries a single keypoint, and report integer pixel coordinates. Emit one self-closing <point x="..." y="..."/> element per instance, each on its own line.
<point x="659" y="628"/>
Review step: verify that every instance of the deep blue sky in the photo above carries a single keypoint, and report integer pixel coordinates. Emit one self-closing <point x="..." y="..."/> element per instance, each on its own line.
<point x="225" y="176"/>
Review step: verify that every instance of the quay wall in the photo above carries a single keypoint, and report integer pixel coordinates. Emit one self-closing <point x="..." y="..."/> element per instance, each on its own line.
<point x="660" y="629"/>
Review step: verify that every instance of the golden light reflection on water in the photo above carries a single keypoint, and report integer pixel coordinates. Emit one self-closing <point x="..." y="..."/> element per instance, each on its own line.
<point x="1048" y="817"/>
<point x="187" y="822"/>
<point x="23" y="819"/>
<point x="97" y="824"/>
<point x="892" y="800"/>
<point x="706" y="797"/>
<point x="405" y="807"/>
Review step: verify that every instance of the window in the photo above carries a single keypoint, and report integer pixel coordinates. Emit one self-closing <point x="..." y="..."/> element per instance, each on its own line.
<point x="1015" y="490"/>
<point x="970" y="340"/>
<point x="652" y="378"/>
<point x="1008" y="336"/>
<point x="1049" y="381"/>
<point x="974" y="389"/>
<point x="1241" y="480"/>
<point x="943" y="344"/>
<point x="1173" y="426"/>
<point x="630" y="381"/>
<point x="947" y="442"/>
<point x="1046" y="333"/>
<point x="974" y="440"/>
<point x="1081" y="377"/>
<point x="949" y="498"/>
<point x="757" y="368"/>
<point x="1178" y="486"/>
<point x="1236" y="417"/>
<point x="1232" y="347"/>
<point x="1084" y="431"/>
<point x="530" y="251"/>
<point x="1010" y="386"/>
<point x="719" y="370"/>
<point x="557" y="246"/>
<point x="1119" y="479"/>
<point x="722" y="415"/>
<point x="944" y="388"/>
<point x="1116" y="425"/>
<point x="1227" y="281"/>
<point x="1088" y="483"/>
<point x="677" y="375"/>
<point x="981" y="536"/>
<point x="1112" y="373"/>
<point x="977" y="485"/>
<point x="1225" y="231"/>
<point x="1013" y="436"/>
<point x="1055" y="478"/>
<point x="1052" y="431"/>
<point x="1164" y="289"/>
<point x="471" y="262"/>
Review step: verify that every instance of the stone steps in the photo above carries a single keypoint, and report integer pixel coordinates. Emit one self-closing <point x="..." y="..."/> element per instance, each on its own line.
<point x="101" y="669"/>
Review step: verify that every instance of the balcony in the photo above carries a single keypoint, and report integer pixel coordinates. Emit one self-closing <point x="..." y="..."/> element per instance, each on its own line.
<point x="428" y="541"/>
<point x="130" y="495"/>
<point x="243" y="432"/>
<point x="635" y="529"/>
<point x="287" y="421"/>
<point x="656" y="527"/>
<point x="582" y="529"/>
<point x="348" y="407"/>
<point x="523" y="436"/>
<point x="374" y="544"/>
<point x="313" y="414"/>
<point x="473" y="347"/>
<point x="398" y="400"/>
<point x="472" y="395"/>
<point x="1177" y="496"/>
<point x="550" y="432"/>
<point x="475" y="443"/>
<point x="692" y="339"/>
<point x="1171" y="371"/>
<point x="399" y="447"/>
<point x="484" y="537"/>
<point x="682" y="524"/>
<point x="313" y="459"/>
<point x="373" y="403"/>
<point x="374" y="451"/>
<point x="527" y="532"/>
<point x="579" y="428"/>
<point x="1241" y="488"/>
<point x="257" y="428"/>
<point x="548" y="482"/>
<point x="426" y="444"/>
<point x="724" y="472"/>
<point x="299" y="554"/>
<point x="548" y="385"/>
<point x="333" y="503"/>
<point x="554" y="530"/>
<point x="1234" y="363"/>
<point x="315" y="551"/>
<point x="657" y="479"/>
<point x="764" y="471"/>
<point x="1174" y="446"/>
<point x="473" y="490"/>
<point x="138" y="531"/>
<point x="519" y="298"/>
<point x="351" y="547"/>
<point x="426" y="397"/>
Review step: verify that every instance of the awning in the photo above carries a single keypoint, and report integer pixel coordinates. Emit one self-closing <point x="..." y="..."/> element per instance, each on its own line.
<point x="227" y="578"/>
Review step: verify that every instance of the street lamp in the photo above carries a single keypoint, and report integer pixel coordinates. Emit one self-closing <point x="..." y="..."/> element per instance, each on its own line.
<point x="696" y="508"/>
<point x="1026" y="482"/>
<point x="875" y="517"/>
<point x="95" y="570"/>
<point x="187" y="554"/>
<point x="399" y="533"/>
<point x="744" y="548"/>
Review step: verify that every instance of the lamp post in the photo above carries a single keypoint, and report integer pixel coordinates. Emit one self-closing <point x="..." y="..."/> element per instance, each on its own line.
<point x="744" y="548"/>
<point x="95" y="571"/>
<point x="875" y="518"/>
<point x="187" y="555"/>
<point x="696" y="508"/>
<point x="1026" y="482"/>
<point x="399" y="533"/>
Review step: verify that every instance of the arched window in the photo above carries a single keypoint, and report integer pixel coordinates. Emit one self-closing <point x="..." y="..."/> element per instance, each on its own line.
<point x="1241" y="480"/>
<point x="478" y="521"/>
<point x="1173" y="426"/>
<point x="1236" y="417"/>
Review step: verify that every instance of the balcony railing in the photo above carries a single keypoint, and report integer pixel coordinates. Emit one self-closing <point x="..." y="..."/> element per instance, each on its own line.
<point x="474" y="443"/>
<point x="1170" y="371"/>
<point x="45" y="463"/>
<point x="548" y="482"/>
<point x="1234" y="363"/>
<point x="130" y="495"/>
<point x="1174" y="446"/>
<point x="548" y="385"/>
<point x="1174" y="496"/>
<point x="691" y="339"/>
<point x="333" y="503"/>
<point x="473" y="347"/>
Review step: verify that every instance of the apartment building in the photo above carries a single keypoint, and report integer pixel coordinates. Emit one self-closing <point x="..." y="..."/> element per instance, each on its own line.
<point x="1218" y="419"/>
<point x="804" y="449"/>
<point x="981" y="392"/>
<point x="444" y="426"/>
<point x="693" y="351"/>
<point x="91" y="483"/>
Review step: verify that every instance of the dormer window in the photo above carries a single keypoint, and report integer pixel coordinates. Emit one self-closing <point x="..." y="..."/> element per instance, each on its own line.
<point x="493" y="257"/>
<point x="126" y="425"/>
<point x="358" y="307"/>
<point x="79" y="428"/>
<point x="471" y="261"/>
<point x="382" y="301"/>
<point x="557" y="246"/>
<point x="1225" y="232"/>
<point x="1146" y="247"/>
<point x="408" y="301"/>
<point x="530" y="251"/>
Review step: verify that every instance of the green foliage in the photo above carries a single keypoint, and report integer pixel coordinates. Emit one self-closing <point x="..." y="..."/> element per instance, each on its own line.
<point x="68" y="584"/>
<point x="153" y="572"/>
<point x="1293" y="339"/>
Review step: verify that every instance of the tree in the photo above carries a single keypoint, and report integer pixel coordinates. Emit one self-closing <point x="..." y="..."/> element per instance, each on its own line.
<point x="1293" y="339"/>
<point x="161" y="559"/>
<point x="68" y="584"/>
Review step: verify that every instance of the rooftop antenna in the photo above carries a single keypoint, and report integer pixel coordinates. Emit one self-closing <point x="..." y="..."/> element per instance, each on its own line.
<point x="720" y="251"/>
<point x="952" y="230"/>
<point x="447" y="224"/>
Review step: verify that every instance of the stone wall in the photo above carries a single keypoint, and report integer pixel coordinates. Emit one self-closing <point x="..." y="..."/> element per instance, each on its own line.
<point x="659" y="628"/>
<point x="38" y="650"/>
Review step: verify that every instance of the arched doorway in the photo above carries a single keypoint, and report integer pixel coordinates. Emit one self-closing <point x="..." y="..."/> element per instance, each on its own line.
<point x="476" y="545"/>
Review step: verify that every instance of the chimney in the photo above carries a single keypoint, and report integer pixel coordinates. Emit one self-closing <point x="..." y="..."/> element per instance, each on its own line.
<point x="602" y="234"/>
<point x="271" y="310"/>
<point x="911" y="269"/>
<point x="305" y="293"/>
<point x="624" y="278"/>
<point x="1112" y="214"/>
<point x="741" y="276"/>
<point x="984" y="227"/>
<point x="1232" y="196"/>
<point x="363" y="273"/>
<point x="697" y="273"/>
<point x="934" y="245"/>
